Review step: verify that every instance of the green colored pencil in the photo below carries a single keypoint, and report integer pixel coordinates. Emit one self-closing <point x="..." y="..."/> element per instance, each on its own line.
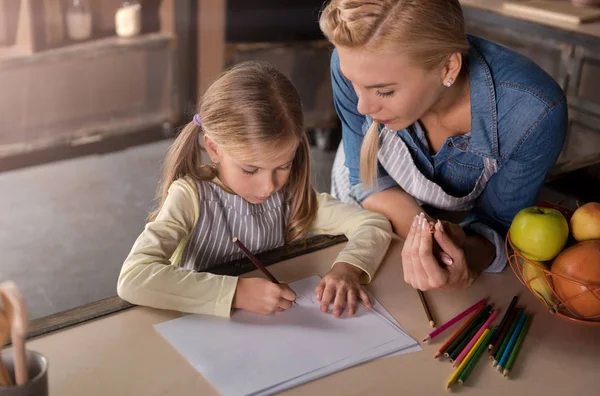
<point x="473" y="361"/>
<point x="468" y="338"/>
<point x="477" y="322"/>
<point x="513" y="325"/>
<point x="515" y="350"/>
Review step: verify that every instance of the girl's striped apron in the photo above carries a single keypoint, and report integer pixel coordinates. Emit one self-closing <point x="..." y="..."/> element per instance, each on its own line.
<point x="396" y="159"/>
<point x="223" y="216"/>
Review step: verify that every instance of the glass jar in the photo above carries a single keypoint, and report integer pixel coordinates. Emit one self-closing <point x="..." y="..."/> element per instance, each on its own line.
<point x="128" y="19"/>
<point x="79" y="20"/>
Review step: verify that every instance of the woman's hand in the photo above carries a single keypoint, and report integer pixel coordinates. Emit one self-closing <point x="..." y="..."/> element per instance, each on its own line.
<point x="421" y="268"/>
<point x="341" y="285"/>
<point x="261" y="296"/>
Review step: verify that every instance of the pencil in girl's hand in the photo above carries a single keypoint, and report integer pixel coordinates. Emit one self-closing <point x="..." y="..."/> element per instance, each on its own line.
<point x="513" y="338"/>
<point x="426" y="308"/>
<point x="505" y="318"/>
<point x="455" y="319"/>
<point x="513" y="353"/>
<point x="464" y="363"/>
<point x="473" y="360"/>
<point x="254" y="260"/>
<point x="476" y="337"/>
<point x="450" y="340"/>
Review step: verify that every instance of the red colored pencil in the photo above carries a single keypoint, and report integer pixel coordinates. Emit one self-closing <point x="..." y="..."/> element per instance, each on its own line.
<point x="455" y="319"/>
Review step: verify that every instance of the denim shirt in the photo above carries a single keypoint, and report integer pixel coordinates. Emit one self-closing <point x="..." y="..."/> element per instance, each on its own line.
<point x="518" y="118"/>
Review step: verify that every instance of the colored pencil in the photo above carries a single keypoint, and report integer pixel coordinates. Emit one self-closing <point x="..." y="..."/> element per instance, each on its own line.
<point x="467" y="348"/>
<point x="473" y="360"/>
<point x="503" y="332"/>
<point x="515" y="351"/>
<point x="476" y="323"/>
<point x="449" y="341"/>
<point x="509" y="310"/>
<point x="462" y="366"/>
<point x="426" y="308"/>
<point x="513" y="325"/>
<point x="455" y="319"/>
<point x="463" y="343"/>
<point x="511" y="342"/>
<point x="254" y="260"/>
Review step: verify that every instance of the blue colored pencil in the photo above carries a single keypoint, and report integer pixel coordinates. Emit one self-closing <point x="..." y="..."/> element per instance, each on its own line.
<point x="512" y="341"/>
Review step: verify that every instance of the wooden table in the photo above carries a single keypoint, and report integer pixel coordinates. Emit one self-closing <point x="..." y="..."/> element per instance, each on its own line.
<point x="122" y="354"/>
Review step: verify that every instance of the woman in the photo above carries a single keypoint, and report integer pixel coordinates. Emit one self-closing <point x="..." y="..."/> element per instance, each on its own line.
<point x="433" y="117"/>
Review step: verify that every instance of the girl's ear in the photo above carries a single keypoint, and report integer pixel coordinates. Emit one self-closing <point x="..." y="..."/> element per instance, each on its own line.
<point x="213" y="150"/>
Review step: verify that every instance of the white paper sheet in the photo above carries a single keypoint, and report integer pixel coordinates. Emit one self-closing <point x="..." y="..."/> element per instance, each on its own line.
<point x="256" y="354"/>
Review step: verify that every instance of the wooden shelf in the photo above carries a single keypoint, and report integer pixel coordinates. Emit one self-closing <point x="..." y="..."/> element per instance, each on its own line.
<point x="14" y="56"/>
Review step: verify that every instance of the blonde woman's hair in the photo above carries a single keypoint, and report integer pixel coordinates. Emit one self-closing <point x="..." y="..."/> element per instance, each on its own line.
<point x="426" y="31"/>
<point x="252" y="106"/>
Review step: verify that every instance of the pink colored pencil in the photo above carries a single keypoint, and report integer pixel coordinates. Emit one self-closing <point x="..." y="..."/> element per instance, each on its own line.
<point x="467" y="348"/>
<point x="455" y="319"/>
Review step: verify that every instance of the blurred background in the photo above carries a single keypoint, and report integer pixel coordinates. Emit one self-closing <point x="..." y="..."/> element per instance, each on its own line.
<point x="92" y="93"/>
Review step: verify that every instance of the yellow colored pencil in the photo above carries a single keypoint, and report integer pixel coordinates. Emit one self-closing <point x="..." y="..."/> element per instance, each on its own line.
<point x="466" y="360"/>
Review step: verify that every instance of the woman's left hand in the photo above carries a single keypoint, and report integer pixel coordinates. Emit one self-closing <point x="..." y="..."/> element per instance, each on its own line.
<point x="341" y="286"/>
<point x="422" y="270"/>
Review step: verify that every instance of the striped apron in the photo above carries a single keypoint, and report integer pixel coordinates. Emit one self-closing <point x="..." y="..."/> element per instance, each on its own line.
<point x="224" y="216"/>
<point x="396" y="159"/>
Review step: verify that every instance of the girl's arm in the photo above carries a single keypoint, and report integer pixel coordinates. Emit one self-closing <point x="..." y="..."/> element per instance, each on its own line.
<point x="369" y="234"/>
<point x="149" y="278"/>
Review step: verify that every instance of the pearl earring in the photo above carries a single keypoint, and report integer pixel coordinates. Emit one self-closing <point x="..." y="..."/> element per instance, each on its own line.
<point x="449" y="82"/>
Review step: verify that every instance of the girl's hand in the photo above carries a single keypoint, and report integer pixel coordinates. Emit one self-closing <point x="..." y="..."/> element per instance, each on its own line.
<point x="261" y="296"/>
<point x="422" y="270"/>
<point x="341" y="285"/>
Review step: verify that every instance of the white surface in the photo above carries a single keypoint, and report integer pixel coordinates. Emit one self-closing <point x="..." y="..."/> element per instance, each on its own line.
<point x="268" y="354"/>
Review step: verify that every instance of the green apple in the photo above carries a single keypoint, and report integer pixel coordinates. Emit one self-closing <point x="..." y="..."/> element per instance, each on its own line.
<point x="539" y="233"/>
<point x="538" y="282"/>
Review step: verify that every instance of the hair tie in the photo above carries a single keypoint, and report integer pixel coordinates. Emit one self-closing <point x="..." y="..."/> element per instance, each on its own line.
<point x="197" y="119"/>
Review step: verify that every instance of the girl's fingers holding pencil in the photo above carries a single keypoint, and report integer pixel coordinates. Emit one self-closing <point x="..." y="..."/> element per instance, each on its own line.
<point x="287" y="292"/>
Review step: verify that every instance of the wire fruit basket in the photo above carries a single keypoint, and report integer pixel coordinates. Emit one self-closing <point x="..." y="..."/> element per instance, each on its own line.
<point x="540" y="281"/>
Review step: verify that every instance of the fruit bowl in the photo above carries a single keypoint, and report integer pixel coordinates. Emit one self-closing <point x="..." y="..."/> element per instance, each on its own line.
<point x="558" y="306"/>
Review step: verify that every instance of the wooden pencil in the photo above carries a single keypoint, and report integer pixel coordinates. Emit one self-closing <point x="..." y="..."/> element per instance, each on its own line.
<point x="473" y="361"/>
<point x="503" y="332"/>
<point x="509" y="310"/>
<point x="474" y="329"/>
<point x="513" y="325"/>
<point x="478" y="320"/>
<point x="473" y="340"/>
<point x="513" y="338"/>
<point x="515" y="351"/>
<point x="464" y="363"/>
<point x="426" y="308"/>
<point x="449" y="341"/>
<point x="455" y="319"/>
<point x="254" y="260"/>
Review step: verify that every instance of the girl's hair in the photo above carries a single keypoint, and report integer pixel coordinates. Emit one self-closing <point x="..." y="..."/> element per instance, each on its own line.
<point x="426" y="31"/>
<point x="250" y="107"/>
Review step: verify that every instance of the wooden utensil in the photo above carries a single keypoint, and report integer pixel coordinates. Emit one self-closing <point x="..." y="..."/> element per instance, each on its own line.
<point x="17" y="317"/>
<point x="5" y="379"/>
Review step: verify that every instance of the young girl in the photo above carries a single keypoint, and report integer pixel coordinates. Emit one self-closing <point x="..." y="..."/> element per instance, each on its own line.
<point x="258" y="189"/>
